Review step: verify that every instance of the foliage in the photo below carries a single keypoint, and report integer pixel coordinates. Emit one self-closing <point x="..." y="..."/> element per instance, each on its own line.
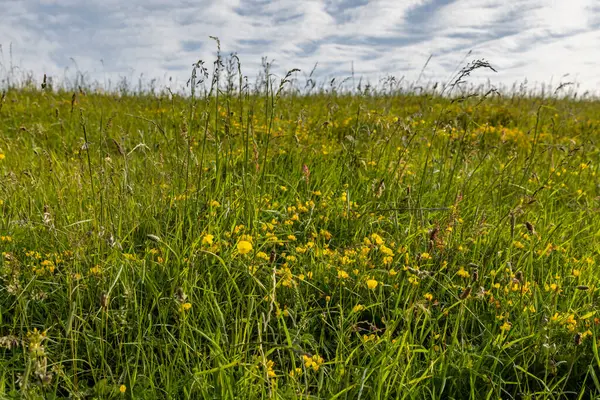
<point x="271" y="245"/>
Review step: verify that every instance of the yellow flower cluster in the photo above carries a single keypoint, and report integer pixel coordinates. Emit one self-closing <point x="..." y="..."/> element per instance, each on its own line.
<point x="313" y="362"/>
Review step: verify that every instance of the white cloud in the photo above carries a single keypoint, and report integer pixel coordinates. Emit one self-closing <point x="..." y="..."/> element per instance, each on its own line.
<point x="534" y="39"/>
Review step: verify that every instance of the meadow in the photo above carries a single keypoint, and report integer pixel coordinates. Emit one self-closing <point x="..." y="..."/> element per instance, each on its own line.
<point x="258" y="242"/>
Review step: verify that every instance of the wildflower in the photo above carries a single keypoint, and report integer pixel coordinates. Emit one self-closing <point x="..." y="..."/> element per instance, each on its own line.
<point x="370" y="338"/>
<point x="287" y="279"/>
<point x="270" y="372"/>
<point x="518" y="244"/>
<point x="244" y="247"/>
<point x="342" y="274"/>
<point x="122" y="388"/>
<point x="2" y="156"/>
<point x="247" y="238"/>
<point x="506" y="326"/>
<point x="386" y="250"/>
<point x="462" y="273"/>
<point x="301" y="250"/>
<point x="35" y="340"/>
<point x="428" y="296"/>
<point x="95" y="270"/>
<point x="326" y="234"/>
<point x="357" y="308"/>
<point x="372" y="284"/>
<point x="571" y="320"/>
<point x="186" y="306"/>
<point x="130" y="257"/>
<point x="208" y="239"/>
<point x="49" y="265"/>
<point x="586" y="334"/>
<point x="215" y="204"/>
<point x="531" y="308"/>
<point x="552" y="287"/>
<point x="378" y="240"/>
<point x="313" y="362"/>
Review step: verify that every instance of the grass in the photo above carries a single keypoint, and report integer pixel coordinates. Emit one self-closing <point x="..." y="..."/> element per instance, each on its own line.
<point x="264" y="244"/>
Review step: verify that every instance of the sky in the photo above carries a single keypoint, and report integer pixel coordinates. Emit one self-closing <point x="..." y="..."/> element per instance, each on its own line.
<point x="541" y="41"/>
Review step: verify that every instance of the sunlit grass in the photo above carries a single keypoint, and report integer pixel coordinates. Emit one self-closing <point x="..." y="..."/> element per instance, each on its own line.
<point x="272" y="245"/>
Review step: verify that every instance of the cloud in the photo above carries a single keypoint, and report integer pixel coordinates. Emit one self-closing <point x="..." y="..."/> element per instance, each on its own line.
<point x="107" y="40"/>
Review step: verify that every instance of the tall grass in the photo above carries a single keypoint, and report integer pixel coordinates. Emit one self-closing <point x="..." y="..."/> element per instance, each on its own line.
<point x="241" y="243"/>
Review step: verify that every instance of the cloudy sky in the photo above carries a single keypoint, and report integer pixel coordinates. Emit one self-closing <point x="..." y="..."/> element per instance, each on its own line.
<point x="537" y="40"/>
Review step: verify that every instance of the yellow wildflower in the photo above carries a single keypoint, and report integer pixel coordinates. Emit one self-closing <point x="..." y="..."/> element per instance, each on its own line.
<point x="372" y="284"/>
<point x="462" y="273"/>
<point x="358" y="307"/>
<point x="342" y="274"/>
<point x="208" y="239"/>
<point x="505" y="327"/>
<point x="244" y="247"/>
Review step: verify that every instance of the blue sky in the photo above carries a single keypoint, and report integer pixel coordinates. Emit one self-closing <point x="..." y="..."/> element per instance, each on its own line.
<point x="537" y="40"/>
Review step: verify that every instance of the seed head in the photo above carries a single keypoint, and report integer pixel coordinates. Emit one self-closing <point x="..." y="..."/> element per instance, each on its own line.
<point x="530" y="228"/>
<point x="104" y="300"/>
<point x="465" y="293"/>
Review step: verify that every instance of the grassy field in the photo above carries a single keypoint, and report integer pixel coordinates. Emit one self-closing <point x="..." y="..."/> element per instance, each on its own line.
<point x="242" y="244"/>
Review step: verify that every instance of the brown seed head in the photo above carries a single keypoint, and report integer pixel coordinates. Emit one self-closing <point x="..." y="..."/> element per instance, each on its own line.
<point x="530" y="228"/>
<point x="104" y="300"/>
<point x="519" y="276"/>
<point x="465" y="293"/>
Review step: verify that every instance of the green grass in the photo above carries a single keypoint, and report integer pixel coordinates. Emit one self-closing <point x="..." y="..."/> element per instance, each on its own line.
<point x="403" y="246"/>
